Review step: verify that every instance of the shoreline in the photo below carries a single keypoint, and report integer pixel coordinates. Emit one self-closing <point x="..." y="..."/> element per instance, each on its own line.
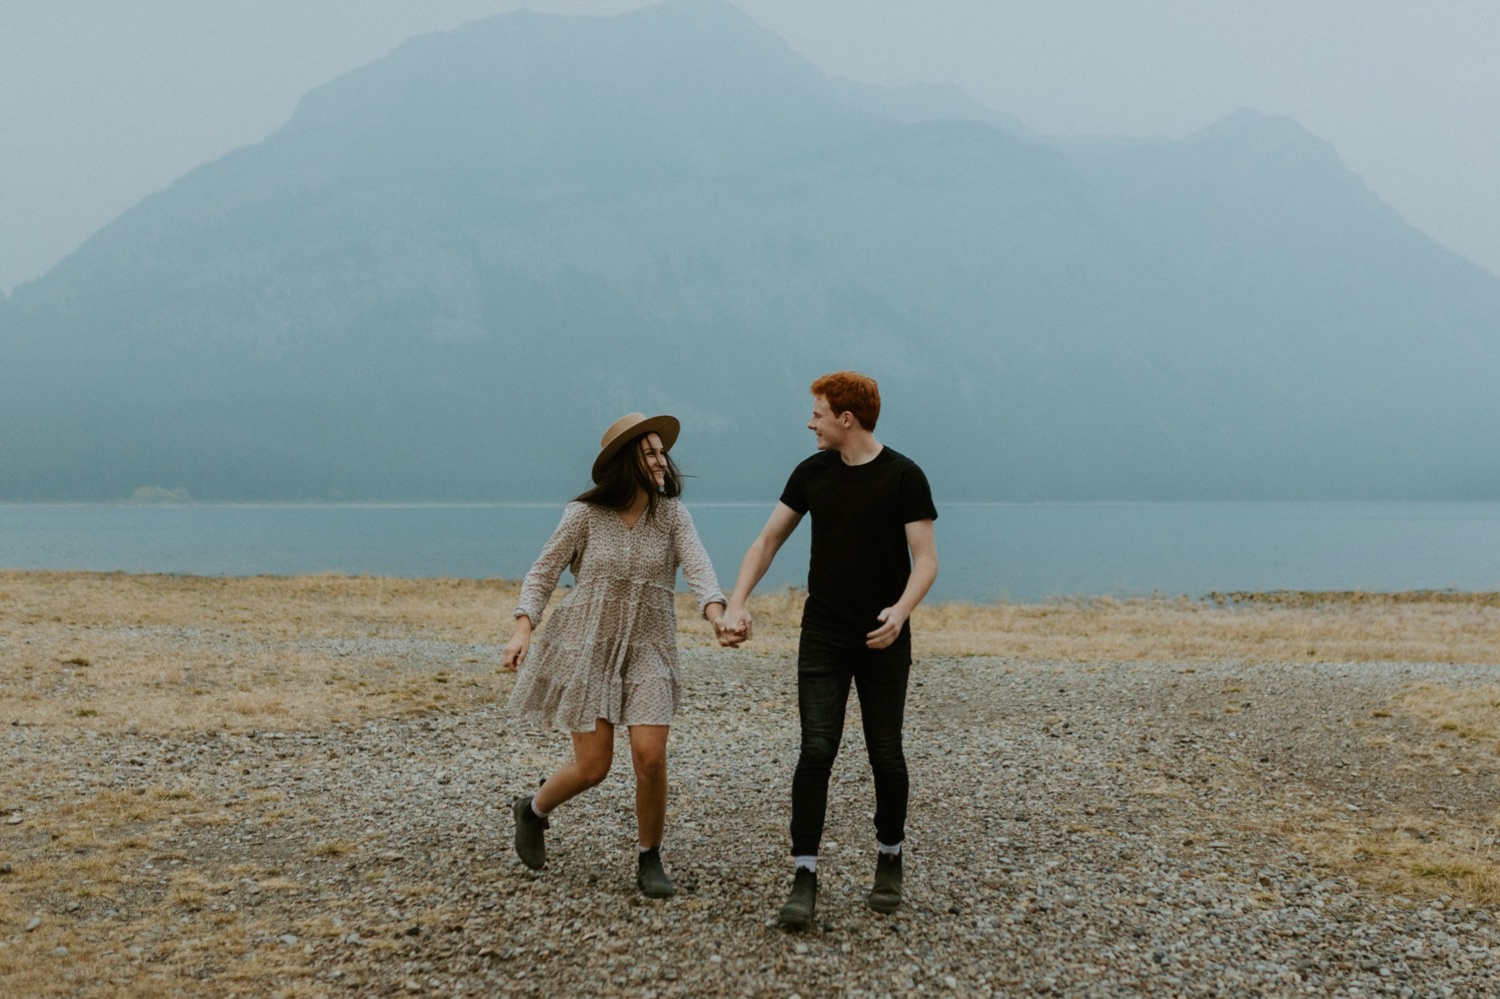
<point x="1277" y="626"/>
<point x="1019" y="552"/>
<point x="1281" y="596"/>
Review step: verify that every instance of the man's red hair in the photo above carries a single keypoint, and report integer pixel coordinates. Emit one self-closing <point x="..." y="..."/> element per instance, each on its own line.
<point x="851" y="392"/>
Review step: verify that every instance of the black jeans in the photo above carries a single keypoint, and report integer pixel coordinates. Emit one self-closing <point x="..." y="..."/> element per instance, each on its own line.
<point x="826" y="663"/>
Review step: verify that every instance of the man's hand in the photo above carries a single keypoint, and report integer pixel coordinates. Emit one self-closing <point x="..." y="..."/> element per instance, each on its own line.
<point x="891" y="620"/>
<point x="733" y="628"/>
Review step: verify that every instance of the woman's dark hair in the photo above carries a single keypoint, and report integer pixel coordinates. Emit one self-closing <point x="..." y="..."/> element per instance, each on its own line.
<point x="624" y="474"/>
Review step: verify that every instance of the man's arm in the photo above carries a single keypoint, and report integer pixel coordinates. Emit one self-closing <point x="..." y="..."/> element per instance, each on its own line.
<point x="758" y="558"/>
<point x="924" y="566"/>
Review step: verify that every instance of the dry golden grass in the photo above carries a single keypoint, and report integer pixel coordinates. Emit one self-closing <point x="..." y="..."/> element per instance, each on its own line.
<point x="1415" y="855"/>
<point x="109" y="651"/>
<point x="167" y="936"/>
<point x="1471" y="714"/>
<point x="1312" y="628"/>
<point x="1415" y="846"/>
<point x="1274" y="627"/>
<point x="1440" y="851"/>
<point x="285" y="607"/>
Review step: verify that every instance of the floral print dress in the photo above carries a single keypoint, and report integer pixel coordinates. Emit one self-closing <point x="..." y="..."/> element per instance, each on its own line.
<point x="609" y="649"/>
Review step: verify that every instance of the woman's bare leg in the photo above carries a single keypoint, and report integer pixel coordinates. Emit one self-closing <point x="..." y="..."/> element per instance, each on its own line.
<point x="592" y="754"/>
<point x="648" y="751"/>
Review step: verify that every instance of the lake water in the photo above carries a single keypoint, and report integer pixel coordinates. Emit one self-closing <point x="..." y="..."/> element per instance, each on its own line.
<point x="1017" y="551"/>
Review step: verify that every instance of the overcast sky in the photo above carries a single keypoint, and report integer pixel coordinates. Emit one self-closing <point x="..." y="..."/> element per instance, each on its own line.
<point x="103" y="102"/>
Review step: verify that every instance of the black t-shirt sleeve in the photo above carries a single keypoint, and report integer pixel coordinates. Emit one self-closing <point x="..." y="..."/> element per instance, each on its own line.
<point x="915" y="495"/>
<point x="795" y="493"/>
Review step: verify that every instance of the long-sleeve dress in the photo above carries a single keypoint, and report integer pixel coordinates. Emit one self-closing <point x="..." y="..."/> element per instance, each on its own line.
<point x="610" y="648"/>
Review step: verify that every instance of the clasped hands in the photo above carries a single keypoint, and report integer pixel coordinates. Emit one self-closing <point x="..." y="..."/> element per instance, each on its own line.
<point x="732" y="627"/>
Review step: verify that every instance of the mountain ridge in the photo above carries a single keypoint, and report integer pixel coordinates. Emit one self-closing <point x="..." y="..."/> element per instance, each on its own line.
<point x="509" y="233"/>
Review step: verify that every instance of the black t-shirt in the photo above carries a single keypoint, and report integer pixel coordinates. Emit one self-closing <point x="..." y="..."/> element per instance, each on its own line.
<point x="860" y="562"/>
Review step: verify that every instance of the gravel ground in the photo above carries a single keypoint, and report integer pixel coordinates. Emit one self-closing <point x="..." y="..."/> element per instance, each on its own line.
<point x="1076" y="829"/>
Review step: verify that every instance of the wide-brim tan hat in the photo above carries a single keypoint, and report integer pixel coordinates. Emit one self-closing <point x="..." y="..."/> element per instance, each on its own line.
<point x="627" y="428"/>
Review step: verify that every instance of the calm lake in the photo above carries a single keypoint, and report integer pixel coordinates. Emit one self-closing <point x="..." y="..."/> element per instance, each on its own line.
<point x="1018" y="551"/>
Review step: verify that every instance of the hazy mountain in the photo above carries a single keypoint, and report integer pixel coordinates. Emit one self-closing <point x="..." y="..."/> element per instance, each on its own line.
<point x="925" y="102"/>
<point x="453" y="267"/>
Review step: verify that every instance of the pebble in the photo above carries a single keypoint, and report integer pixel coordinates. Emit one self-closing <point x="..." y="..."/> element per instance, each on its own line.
<point x="1119" y="851"/>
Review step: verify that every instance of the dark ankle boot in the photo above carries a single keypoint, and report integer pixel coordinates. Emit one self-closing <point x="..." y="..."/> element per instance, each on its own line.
<point x="886" y="895"/>
<point x="531" y="843"/>
<point x="651" y="878"/>
<point x="797" y="913"/>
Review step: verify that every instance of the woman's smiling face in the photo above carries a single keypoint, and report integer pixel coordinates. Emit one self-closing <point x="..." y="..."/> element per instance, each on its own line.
<point x="653" y="458"/>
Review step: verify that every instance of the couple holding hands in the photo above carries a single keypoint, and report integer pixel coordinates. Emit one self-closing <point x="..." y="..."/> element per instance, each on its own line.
<point x="608" y="656"/>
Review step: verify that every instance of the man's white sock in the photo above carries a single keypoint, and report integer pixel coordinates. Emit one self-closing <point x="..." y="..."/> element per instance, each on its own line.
<point x="894" y="851"/>
<point x="807" y="863"/>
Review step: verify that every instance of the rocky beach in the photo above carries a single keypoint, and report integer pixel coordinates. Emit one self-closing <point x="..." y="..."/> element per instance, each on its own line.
<point x="1090" y="827"/>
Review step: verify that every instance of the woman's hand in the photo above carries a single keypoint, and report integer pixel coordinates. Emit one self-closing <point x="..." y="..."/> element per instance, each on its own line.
<point x="733" y="628"/>
<point x="515" y="650"/>
<point x="714" y="612"/>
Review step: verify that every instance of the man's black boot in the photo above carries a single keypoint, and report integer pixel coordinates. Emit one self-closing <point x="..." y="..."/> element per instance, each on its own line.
<point x="886" y="895"/>
<point x="651" y="878"/>
<point x="797" y="913"/>
<point x="531" y="843"/>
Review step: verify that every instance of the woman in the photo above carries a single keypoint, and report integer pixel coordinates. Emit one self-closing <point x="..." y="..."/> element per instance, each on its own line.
<point x="609" y="654"/>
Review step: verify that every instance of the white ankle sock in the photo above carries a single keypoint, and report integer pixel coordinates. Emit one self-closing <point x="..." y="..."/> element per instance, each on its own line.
<point x="894" y="851"/>
<point x="809" y="863"/>
<point x="537" y="811"/>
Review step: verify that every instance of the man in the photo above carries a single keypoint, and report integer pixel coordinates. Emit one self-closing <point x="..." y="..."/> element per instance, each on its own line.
<point x="873" y="559"/>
